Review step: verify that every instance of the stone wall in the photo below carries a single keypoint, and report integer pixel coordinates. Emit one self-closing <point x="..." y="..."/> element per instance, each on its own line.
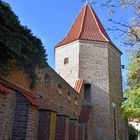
<point x="98" y="63"/>
<point x="64" y="100"/>
<point x="116" y="95"/>
<point x="68" y="71"/>
<point x="93" y="67"/>
<point x="34" y="114"/>
<point x="7" y="107"/>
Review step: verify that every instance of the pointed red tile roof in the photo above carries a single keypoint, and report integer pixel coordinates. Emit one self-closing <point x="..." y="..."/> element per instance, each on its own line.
<point x="86" y="26"/>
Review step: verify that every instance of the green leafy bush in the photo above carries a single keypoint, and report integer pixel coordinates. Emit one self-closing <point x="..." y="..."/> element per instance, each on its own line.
<point x="131" y="106"/>
<point x="18" y="43"/>
<point x="133" y="133"/>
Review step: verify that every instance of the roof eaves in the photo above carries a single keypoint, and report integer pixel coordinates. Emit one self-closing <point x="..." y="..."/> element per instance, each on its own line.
<point x="115" y="47"/>
<point x="30" y="97"/>
<point x="4" y="89"/>
<point x="65" y="43"/>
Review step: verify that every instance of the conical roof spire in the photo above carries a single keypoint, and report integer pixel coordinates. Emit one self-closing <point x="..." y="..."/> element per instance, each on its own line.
<point x="86" y="26"/>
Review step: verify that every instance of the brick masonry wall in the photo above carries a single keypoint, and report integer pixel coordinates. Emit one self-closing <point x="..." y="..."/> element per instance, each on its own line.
<point x="46" y="125"/>
<point x="81" y="131"/>
<point x="7" y="105"/>
<point x="32" y="124"/>
<point x="20" y="117"/>
<point x="24" y="116"/>
<point x="53" y="99"/>
<point x="62" y="128"/>
<point x="73" y="130"/>
<point x="25" y="124"/>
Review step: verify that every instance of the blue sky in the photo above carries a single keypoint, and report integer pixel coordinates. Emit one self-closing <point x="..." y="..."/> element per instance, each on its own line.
<point x="50" y="20"/>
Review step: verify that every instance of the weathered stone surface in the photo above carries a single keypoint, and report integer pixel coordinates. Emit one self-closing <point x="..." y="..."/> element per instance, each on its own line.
<point x="68" y="71"/>
<point x="24" y="119"/>
<point x="98" y="63"/>
<point x="93" y="67"/>
<point x="60" y="100"/>
<point x="115" y="86"/>
<point x="7" y="106"/>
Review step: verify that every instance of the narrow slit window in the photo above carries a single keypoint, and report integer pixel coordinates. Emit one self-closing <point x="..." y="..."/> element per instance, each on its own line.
<point x="47" y="79"/>
<point x="87" y="91"/>
<point x="60" y="89"/>
<point x="75" y="101"/>
<point x="69" y="96"/>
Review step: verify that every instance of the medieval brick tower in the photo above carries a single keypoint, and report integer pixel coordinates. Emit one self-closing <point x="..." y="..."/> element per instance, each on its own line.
<point x="88" y="53"/>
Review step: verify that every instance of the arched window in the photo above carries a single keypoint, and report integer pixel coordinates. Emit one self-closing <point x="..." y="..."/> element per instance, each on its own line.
<point x="66" y="60"/>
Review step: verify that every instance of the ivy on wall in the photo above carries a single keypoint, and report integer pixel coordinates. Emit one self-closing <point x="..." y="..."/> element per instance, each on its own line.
<point x="18" y="44"/>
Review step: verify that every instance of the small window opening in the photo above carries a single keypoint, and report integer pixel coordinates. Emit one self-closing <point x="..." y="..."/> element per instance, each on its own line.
<point x="75" y="101"/>
<point x="87" y="91"/>
<point x="47" y="79"/>
<point x="69" y="96"/>
<point x="40" y="97"/>
<point x="59" y="86"/>
<point x="60" y="89"/>
<point x="66" y="60"/>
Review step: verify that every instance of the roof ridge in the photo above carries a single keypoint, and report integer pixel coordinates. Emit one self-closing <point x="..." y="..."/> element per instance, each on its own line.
<point x="72" y="24"/>
<point x="97" y="23"/>
<point x="83" y="20"/>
